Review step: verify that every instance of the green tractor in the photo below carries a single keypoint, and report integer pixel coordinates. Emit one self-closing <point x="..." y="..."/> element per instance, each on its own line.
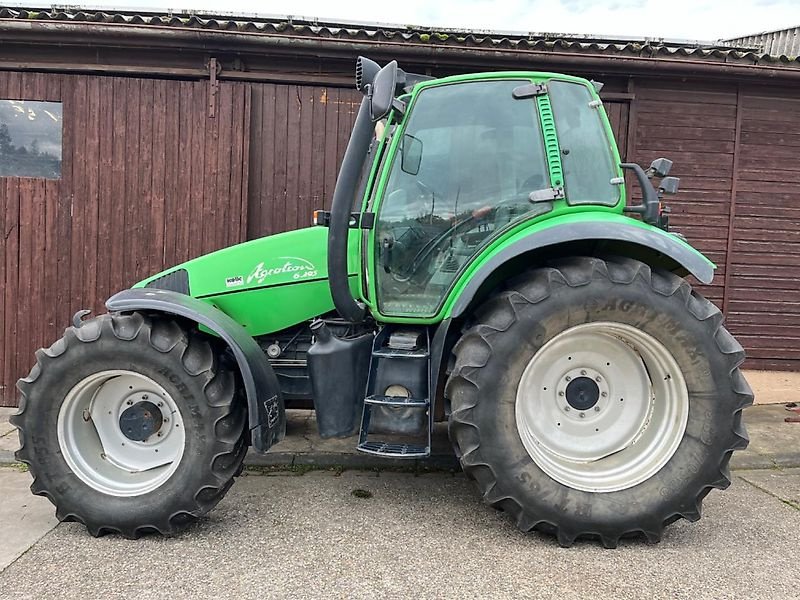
<point x="481" y="264"/>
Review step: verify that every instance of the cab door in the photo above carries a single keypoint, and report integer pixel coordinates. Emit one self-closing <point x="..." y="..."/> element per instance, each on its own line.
<point x="467" y="159"/>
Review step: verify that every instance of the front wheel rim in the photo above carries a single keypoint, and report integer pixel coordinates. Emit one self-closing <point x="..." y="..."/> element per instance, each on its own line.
<point x="97" y="450"/>
<point x="602" y="407"/>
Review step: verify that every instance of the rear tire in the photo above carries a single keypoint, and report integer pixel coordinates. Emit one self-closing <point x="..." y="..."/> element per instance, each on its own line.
<point x="688" y="424"/>
<point x="71" y="435"/>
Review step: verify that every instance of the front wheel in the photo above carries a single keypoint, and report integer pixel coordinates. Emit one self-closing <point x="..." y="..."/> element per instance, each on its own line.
<point x="130" y="424"/>
<point x="599" y="399"/>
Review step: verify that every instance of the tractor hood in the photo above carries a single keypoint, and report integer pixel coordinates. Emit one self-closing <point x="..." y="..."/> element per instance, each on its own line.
<point x="266" y="285"/>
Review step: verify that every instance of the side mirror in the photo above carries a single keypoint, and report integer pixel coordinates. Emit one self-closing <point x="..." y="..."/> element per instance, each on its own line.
<point x="411" y="154"/>
<point x="382" y="92"/>
<point x="669" y="185"/>
<point x="660" y="167"/>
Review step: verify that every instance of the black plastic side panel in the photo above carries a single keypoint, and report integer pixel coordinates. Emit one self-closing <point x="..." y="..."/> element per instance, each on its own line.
<point x="673" y="249"/>
<point x="441" y="345"/>
<point x="176" y="281"/>
<point x="267" y="416"/>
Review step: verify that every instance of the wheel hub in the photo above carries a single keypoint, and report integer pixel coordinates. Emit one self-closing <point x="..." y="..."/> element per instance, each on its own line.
<point x="121" y="433"/>
<point x="582" y="393"/>
<point x="601" y="407"/>
<point x="140" y="421"/>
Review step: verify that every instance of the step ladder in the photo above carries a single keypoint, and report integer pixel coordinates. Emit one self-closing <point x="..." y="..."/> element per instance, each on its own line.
<point x="397" y="405"/>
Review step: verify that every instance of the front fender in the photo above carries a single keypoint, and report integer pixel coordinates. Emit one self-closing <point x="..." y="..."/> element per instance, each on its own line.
<point x="609" y="229"/>
<point x="266" y="412"/>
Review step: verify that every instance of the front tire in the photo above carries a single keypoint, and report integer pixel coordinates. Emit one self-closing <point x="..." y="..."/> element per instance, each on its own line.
<point x="597" y="399"/>
<point x="130" y="424"/>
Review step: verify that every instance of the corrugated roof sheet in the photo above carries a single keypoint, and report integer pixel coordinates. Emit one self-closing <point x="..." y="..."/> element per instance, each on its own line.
<point x="740" y="51"/>
<point x="781" y="42"/>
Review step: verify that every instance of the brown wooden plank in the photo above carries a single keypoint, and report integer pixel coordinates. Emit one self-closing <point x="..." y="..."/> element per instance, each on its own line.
<point x="144" y="246"/>
<point x="330" y="98"/>
<point x="78" y="111"/>
<point x="664" y="133"/>
<point x="687" y="120"/>
<point x="91" y="151"/>
<point x="293" y="157"/>
<point x="172" y="142"/>
<point x="132" y="240"/>
<point x="157" y="179"/>
<point x="318" y="150"/>
<point x="221" y="201"/>
<point x="305" y="205"/>
<point x="268" y="193"/>
<point x="198" y="180"/>
<point x="106" y="237"/>
<point x="26" y="304"/>
<point x="256" y="160"/>
<point x="118" y="212"/>
<point x="665" y="108"/>
<point x="281" y="157"/>
<point x="11" y="291"/>
<point x="39" y="258"/>
<point x="6" y="395"/>
<point x="687" y="93"/>
<point x="245" y="162"/>
<point x="210" y="194"/>
<point x="186" y="170"/>
<point x="64" y="204"/>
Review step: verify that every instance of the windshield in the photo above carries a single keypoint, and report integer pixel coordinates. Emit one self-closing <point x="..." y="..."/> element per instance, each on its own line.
<point x="471" y="155"/>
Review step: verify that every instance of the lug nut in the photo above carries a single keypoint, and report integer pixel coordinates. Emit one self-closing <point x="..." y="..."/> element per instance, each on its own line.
<point x="129" y="402"/>
<point x="145" y="396"/>
<point x="598" y="379"/>
<point x="160" y="404"/>
<point x="596" y="409"/>
<point x="583" y="372"/>
<point x="567" y="378"/>
<point x="603" y="394"/>
<point x="567" y="409"/>
<point x="160" y="434"/>
<point x="582" y="415"/>
<point x="560" y="393"/>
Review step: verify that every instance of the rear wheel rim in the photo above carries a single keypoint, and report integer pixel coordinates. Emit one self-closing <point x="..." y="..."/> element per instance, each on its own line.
<point x="96" y="448"/>
<point x="602" y="407"/>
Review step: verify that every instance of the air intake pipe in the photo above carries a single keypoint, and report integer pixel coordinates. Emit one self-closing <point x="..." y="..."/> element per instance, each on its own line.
<point x="344" y="193"/>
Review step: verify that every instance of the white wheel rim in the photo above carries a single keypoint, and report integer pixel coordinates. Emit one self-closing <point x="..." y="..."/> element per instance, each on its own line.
<point x="95" y="447"/>
<point x="629" y="433"/>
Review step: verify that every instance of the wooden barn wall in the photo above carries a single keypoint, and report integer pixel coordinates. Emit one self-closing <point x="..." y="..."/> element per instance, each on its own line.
<point x="763" y="293"/>
<point x="298" y="138"/>
<point x="150" y="178"/>
<point x="735" y="149"/>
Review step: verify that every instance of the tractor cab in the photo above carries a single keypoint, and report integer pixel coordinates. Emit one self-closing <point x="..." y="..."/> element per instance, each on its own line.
<point x="442" y="169"/>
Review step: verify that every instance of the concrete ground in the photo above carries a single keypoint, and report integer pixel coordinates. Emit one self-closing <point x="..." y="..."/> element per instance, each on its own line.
<point x="427" y="536"/>
<point x="284" y="534"/>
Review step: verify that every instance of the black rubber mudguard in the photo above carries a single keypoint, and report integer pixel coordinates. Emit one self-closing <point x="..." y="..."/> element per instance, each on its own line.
<point x="266" y="412"/>
<point x="678" y="254"/>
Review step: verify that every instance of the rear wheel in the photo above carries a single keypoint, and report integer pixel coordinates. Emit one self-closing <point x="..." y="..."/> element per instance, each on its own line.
<point x="597" y="398"/>
<point x="130" y="424"/>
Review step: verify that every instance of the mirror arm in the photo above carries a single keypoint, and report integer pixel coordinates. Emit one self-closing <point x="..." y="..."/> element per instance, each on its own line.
<point x="648" y="209"/>
<point x="399" y="106"/>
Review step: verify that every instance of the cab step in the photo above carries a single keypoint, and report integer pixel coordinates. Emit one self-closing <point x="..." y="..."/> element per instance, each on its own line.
<point x="397" y="401"/>
<point x="394" y="450"/>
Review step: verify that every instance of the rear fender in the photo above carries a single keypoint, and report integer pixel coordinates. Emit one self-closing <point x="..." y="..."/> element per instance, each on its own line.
<point x="648" y="244"/>
<point x="265" y="407"/>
